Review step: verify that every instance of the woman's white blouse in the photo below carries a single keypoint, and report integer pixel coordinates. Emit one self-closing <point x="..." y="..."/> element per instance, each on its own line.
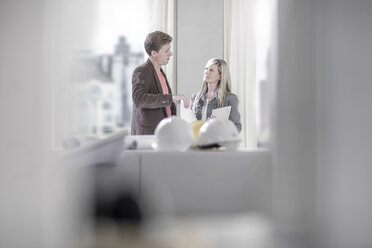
<point x="204" y="111"/>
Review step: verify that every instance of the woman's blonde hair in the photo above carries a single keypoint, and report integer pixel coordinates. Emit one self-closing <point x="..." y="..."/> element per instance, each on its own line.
<point x="224" y="85"/>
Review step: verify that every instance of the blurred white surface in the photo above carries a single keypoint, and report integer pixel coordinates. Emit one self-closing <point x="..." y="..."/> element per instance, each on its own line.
<point x="203" y="182"/>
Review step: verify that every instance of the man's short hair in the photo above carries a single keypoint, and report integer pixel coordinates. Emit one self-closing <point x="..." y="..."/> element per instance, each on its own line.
<point x="155" y="40"/>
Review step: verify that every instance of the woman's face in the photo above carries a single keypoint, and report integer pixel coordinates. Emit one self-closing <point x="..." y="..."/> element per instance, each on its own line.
<point x="211" y="74"/>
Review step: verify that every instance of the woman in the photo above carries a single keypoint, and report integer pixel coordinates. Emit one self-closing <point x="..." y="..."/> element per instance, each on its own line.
<point x="215" y="93"/>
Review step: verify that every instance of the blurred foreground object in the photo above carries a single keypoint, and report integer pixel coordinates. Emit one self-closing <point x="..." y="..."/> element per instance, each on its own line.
<point x="196" y="125"/>
<point x="126" y="216"/>
<point x="140" y="142"/>
<point x="220" y="133"/>
<point x="173" y="134"/>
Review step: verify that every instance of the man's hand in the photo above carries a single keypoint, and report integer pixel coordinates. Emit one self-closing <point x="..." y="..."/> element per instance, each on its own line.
<point x="178" y="98"/>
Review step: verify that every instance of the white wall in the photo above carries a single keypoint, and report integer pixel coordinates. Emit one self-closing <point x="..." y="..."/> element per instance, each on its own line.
<point x="322" y="135"/>
<point x="22" y="128"/>
<point x="344" y="59"/>
<point x="199" y="38"/>
<point x="294" y="108"/>
<point x="34" y="42"/>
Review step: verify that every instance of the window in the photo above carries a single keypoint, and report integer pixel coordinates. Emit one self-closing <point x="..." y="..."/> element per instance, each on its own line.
<point x="247" y="50"/>
<point x="93" y="48"/>
<point x="117" y="50"/>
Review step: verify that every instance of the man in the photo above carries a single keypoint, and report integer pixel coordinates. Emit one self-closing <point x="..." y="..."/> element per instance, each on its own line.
<point x="151" y="93"/>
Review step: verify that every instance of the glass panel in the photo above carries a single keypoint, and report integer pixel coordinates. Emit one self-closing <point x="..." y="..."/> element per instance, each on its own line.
<point x="104" y="97"/>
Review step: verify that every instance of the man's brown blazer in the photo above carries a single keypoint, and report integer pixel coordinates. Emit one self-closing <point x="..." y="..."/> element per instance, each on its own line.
<point x="149" y="102"/>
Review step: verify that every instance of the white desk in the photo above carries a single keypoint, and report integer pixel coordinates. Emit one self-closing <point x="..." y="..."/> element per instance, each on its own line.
<point x="201" y="182"/>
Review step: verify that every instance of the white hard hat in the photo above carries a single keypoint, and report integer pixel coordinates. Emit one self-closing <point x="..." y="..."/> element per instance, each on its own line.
<point x="173" y="134"/>
<point x="219" y="132"/>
